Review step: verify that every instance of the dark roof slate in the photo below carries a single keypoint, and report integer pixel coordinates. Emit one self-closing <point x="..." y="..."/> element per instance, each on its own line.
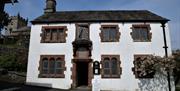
<point x="100" y="16"/>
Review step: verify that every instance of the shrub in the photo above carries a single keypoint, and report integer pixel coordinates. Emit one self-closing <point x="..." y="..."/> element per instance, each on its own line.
<point x="10" y="63"/>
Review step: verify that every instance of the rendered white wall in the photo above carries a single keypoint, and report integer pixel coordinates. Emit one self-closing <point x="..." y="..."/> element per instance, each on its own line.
<point x="126" y="48"/>
<point x="37" y="49"/>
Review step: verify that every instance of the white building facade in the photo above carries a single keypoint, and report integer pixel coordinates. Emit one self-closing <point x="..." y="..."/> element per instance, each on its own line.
<point x="64" y="46"/>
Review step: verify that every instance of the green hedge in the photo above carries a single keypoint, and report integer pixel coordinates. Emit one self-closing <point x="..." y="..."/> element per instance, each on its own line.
<point x="177" y="89"/>
<point x="10" y="63"/>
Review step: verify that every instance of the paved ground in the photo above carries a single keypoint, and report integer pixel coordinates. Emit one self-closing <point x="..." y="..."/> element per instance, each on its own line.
<point x="35" y="88"/>
<point x="5" y="86"/>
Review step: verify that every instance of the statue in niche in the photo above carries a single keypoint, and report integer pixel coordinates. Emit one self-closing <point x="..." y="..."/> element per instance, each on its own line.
<point x="82" y="32"/>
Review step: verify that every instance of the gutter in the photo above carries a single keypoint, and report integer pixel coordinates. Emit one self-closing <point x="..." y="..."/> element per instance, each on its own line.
<point x="166" y="53"/>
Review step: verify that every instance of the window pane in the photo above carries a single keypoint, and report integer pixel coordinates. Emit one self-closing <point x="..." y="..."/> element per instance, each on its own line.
<point x="58" y="64"/>
<point x="105" y="35"/>
<point x="144" y="33"/>
<point x="109" y="33"/>
<point x="54" y="34"/>
<point x="106" y="63"/>
<point x="61" y="30"/>
<point x="134" y="34"/>
<point x="45" y="63"/>
<point x="61" y="35"/>
<point x="45" y="66"/>
<point x="106" y="66"/>
<point x="114" y="66"/>
<point x="140" y="34"/>
<point x="45" y="71"/>
<point x="47" y="35"/>
<point x="52" y="66"/>
<point x="106" y="71"/>
<point x="59" y="71"/>
<point x="112" y="35"/>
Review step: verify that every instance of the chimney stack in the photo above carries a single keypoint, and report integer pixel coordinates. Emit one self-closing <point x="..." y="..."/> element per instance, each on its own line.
<point x="50" y="6"/>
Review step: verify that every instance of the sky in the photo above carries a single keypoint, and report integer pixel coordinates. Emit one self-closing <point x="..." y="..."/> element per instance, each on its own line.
<point x="169" y="9"/>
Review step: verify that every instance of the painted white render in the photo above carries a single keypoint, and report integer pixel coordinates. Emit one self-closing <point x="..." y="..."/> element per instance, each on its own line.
<point x="126" y="48"/>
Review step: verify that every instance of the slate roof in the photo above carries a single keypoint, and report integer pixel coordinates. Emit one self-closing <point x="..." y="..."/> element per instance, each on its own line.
<point x="99" y="16"/>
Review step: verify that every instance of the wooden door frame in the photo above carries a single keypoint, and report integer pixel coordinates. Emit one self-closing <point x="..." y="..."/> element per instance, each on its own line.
<point x="74" y="71"/>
